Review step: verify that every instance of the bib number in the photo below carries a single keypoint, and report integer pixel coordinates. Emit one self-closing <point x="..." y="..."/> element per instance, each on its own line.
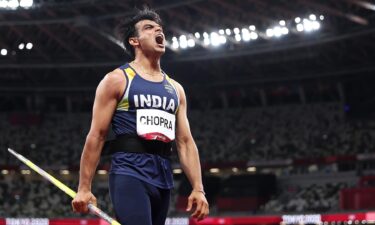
<point x="154" y="124"/>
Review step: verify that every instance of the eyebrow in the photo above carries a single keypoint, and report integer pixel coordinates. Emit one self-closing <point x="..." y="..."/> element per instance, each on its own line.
<point x="149" y="24"/>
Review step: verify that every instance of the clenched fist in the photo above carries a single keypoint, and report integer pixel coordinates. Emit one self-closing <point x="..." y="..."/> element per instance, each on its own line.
<point x="81" y="200"/>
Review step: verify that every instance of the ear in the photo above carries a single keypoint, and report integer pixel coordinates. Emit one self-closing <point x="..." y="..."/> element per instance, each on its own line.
<point x="133" y="41"/>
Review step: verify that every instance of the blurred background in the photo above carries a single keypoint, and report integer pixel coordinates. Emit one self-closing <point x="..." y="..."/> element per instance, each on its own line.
<point x="281" y="103"/>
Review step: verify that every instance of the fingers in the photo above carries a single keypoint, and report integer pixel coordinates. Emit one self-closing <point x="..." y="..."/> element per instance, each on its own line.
<point x="93" y="201"/>
<point x="198" y="209"/>
<point x="204" y="212"/>
<point x="80" y="203"/>
<point x="201" y="211"/>
<point x="202" y="208"/>
<point x="190" y="203"/>
<point x="79" y="206"/>
<point x="74" y="207"/>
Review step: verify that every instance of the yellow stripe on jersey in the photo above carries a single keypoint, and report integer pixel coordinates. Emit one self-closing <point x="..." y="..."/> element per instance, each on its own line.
<point x="130" y="72"/>
<point x="123" y="105"/>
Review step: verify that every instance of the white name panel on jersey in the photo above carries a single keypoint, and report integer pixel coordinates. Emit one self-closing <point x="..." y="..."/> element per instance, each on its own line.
<point x="154" y="124"/>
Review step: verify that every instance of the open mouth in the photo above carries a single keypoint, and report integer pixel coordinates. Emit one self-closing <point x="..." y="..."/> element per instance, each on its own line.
<point x="159" y="39"/>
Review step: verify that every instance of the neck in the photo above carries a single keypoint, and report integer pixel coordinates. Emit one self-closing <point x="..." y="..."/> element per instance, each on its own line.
<point x="151" y="64"/>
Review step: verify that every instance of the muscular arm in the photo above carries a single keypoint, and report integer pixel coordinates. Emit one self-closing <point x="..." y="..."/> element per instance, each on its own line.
<point x="189" y="159"/>
<point x="107" y="94"/>
<point x="187" y="150"/>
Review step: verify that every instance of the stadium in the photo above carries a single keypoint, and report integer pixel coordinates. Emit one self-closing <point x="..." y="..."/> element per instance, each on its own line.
<point x="279" y="93"/>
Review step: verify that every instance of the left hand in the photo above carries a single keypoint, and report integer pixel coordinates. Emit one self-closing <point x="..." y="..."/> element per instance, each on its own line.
<point x="202" y="208"/>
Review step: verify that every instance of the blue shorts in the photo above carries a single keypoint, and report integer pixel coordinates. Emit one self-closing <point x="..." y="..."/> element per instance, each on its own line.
<point x="136" y="202"/>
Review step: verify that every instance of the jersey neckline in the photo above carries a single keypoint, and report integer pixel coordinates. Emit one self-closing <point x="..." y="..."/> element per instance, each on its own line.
<point x="154" y="82"/>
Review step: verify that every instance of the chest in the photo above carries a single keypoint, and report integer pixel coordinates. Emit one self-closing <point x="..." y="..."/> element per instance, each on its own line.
<point x="152" y="95"/>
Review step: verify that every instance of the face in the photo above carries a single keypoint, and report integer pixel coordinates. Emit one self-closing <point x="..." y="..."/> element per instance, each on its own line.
<point x="150" y="37"/>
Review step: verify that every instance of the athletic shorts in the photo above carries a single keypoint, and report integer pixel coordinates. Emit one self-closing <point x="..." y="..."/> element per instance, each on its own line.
<point x="136" y="202"/>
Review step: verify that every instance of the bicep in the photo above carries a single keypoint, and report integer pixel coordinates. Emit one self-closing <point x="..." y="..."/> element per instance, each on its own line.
<point x="183" y="132"/>
<point x="104" y="106"/>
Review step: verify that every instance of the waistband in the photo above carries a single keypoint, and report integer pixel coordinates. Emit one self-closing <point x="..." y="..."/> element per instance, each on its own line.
<point x="135" y="144"/>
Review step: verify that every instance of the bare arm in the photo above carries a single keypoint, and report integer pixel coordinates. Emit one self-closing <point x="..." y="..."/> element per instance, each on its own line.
<point x="189" y="159"/>
<point x="107" y="94"/>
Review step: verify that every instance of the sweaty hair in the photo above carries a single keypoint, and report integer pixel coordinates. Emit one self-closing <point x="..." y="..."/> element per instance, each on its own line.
<point x="126" y="29"/>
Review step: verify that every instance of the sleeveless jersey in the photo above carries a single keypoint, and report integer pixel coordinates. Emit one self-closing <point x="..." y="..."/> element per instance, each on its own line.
<point x="147" y="109"/>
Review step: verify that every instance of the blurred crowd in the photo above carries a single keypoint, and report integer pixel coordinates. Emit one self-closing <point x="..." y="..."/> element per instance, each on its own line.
<point x="55" y="141"/>
<point x="240" y="134"/>
<point x="31" y="196"/>
<point x="25" y="197"/>
<point x="280" y="132"/>
<point x="313" y="198"/>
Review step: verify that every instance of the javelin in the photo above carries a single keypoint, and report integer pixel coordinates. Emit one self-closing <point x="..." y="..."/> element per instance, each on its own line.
<point x="93" y="209"/>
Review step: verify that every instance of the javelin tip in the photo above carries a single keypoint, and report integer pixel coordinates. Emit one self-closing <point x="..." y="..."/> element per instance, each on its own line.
<point x="11" y="151"/>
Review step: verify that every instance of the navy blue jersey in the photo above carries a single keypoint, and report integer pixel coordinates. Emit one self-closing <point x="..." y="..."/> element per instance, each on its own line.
<point x="147" y="109"/>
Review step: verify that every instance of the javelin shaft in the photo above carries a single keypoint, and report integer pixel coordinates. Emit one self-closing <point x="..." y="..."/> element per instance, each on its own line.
<point x="93" y="209"/>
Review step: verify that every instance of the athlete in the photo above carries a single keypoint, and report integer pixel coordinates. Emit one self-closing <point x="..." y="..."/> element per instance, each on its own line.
<point x="147" y="110"/>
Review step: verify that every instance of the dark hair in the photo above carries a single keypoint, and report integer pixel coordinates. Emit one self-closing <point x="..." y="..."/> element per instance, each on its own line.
<point x="126" y="29"/>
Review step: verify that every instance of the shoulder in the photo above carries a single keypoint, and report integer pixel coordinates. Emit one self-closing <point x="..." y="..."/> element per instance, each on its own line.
<point x="180" y="90"/>
<point x="114" y="77"/>
<point x="178" y="86"/>
<point x="113" y="82"/>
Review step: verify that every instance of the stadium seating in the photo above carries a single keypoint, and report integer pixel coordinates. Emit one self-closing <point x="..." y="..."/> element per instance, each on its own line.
<point x="54" y="141"/>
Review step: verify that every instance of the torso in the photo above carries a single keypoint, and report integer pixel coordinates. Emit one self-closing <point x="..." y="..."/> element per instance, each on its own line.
<point x="147" y="98"/>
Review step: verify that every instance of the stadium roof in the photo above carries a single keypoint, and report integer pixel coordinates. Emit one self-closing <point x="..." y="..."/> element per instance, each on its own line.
<point x="78" y="35"/>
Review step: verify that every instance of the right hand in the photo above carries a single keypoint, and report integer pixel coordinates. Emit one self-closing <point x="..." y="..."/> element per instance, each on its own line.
<point x="81" y="200"/>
